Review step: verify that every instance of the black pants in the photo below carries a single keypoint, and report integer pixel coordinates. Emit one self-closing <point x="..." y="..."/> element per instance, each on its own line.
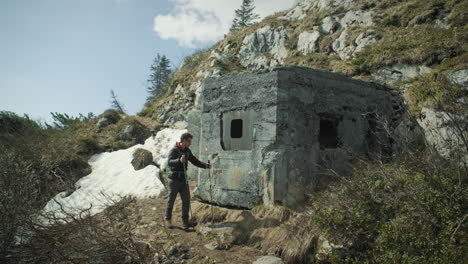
<point x="178" y="186"/>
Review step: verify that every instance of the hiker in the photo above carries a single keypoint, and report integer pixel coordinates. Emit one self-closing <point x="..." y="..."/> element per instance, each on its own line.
<point x="177" y="161"/>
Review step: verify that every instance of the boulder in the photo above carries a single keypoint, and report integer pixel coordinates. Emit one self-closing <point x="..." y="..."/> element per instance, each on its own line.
<point x="264" y="40"/>
<point x="330" y="24"/>
<point x="399" y="72"/>
<point x="219" y="56"/>
<point x="268" y="260"/>
<point x="308" y="42"/>
<point x="222" y="234"/>
<point x="142" y="158"/>
<point x="362" y="41"/>
<point x="459" y="78"/>
<point x="339" y="46"/>
<point x="135" y="131"/>
<point x="446" y="133"/>
<point x="357" y="18"/>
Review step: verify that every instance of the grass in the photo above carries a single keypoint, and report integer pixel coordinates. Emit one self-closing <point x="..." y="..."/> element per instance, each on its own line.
<point x="435" y="89"/>
<point x="422" y="44"/>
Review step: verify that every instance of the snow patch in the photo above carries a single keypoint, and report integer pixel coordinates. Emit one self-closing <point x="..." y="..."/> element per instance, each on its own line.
<point x="114" y="177"/>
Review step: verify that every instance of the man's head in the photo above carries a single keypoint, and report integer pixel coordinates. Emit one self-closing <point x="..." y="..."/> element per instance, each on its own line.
<point x="186" y="139"/>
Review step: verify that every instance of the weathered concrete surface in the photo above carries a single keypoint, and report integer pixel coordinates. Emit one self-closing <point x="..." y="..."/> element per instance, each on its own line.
<point x="282" y="153"/>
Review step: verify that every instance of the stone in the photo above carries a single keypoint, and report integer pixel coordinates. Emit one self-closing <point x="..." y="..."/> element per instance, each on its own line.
<point x="135" y="131"/>
<point x="362" y="41"/>
<point x="256" y="143"/>
<point x="212" y="245"/>
<point x="264" y="40"/>
<point x="325" y="248"/>
<point x="398" y="73"/>
<point x="219" y="56"/>
<point x="357" y="18"/>
<point x="141" y="159"/>
<point x="459" y="78"/>
<point x="330" y="24"/>
<point x="268" y="260"/>
<point x="181" y="92"/>
<point x="339" y="46"/>
<point x="327" y="4"/>
<point x="102" y="123"/>
<point x="308" y="42"/>
<point x="223" y="234"/>
<point x="446" y="132"/>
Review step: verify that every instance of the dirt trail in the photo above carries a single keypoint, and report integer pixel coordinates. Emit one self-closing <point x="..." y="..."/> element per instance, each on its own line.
<point x="180" y="245"/>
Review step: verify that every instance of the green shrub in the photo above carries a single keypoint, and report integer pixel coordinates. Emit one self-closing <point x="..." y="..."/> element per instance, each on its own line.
<point x="87" y="146"/>
<point x="435" y="90"/>
<point x="412" y="210"/>
<point x="112" y="115"/>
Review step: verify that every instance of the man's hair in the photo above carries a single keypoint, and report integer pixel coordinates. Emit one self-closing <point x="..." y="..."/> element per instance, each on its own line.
<point x="185" y="136"/>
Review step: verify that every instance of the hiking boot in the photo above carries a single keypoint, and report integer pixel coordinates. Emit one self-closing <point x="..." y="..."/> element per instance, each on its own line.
<point x="168" y="223"/>
<point x="188" y="225"/>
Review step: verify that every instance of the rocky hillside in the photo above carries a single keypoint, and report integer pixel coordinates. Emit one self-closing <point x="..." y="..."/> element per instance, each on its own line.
<point x="417" y="47"/>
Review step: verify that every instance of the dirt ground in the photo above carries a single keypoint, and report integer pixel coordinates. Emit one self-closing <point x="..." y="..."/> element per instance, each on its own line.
<point x="178" y="246"/>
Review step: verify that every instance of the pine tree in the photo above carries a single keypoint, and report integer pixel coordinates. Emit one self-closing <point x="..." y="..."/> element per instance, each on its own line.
<point x="160" y="76"/>
<point x="244" y="16"/>
<point x="115" y="103"/>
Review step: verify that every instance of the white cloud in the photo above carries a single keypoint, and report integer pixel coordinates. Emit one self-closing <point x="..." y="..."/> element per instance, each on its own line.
<point x="195" y="22"/>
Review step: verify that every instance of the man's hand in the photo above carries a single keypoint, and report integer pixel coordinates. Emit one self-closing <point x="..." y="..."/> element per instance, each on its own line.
<point x="208" y="166"/>
<point x="183" y="159"/>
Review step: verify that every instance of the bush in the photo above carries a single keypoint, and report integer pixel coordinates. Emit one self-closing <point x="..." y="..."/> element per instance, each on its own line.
<point x="112" y="115"/>
<point x="142" y="158"/>
<point x="436" y="91"/>
<point x="412" y="210"/>
<point x="87" y="146"/>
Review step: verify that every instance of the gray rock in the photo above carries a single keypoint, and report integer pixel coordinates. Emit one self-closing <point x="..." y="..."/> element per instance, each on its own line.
<point x="136" y="132"/>
<point x="308" y="42"/>
<point x="219" y="56"/>
<point x="268" y="260"/>
<point x="330" y="24"/>
<point x="399" y="73"/>
<point x="212" y="245"/>
<point x="460" y="78"/>
<point x="222" y="233"/>
<point x="327" y="4"/>
<point x="264" y="40"/>
<point x="446" y="132"/>
<point x="326" y="248"/>
<point x="362" y="41"/>
<point x="339" y="46"/>
<point x="102" y="123"/>
<point x="298" y="11"/>
<point x="357" y="18"/>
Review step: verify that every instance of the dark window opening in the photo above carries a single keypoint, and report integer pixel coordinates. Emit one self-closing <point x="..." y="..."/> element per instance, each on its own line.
<point x="328" y="135"/>
<point x="236" y="128"/>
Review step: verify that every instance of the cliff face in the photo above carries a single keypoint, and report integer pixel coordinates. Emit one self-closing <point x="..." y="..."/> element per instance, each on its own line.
<point x="417" y="47"/>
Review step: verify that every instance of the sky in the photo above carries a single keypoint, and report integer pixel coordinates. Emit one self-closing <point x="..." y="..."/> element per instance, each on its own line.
<point x="66" y="55"/>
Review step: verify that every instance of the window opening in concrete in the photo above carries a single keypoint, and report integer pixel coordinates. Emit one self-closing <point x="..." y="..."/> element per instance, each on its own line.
<point x="328" y="135"/>
<point x="236" y="128"/>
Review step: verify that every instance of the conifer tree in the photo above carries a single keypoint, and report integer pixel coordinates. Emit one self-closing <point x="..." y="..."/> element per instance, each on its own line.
<point x="115" y="103"/>
<point x="244" y="16"/>
<point x="160" y="76"/>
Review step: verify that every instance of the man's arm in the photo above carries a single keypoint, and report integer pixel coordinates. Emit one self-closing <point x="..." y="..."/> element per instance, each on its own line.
<point x="196" y="162"/>
<point x="173" y="157"/>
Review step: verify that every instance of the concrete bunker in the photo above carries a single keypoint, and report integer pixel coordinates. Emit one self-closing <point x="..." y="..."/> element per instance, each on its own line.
<point x="272" y="137"/>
